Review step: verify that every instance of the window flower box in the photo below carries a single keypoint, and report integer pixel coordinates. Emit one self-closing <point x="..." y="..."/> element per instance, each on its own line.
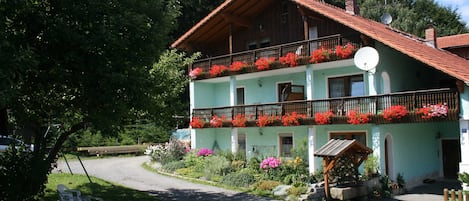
<point x="216" y="121"/>
<point x="354" y="117"/>
<point x="238" y="66"/>
<point x="197" y="122"/>
<point x="292" y="119"/>
<point x="195" y="73"/>
<point x="345" y="51"/>
<point x="289" y="59"/>
<point x="321" y="55"/>
<point x="395" y="112"/>
<point x="322" y="118"/>
<point x="263" y="63"/>
<point x="265" y="120"/>
<point x="239" y="121"/>
<point x="429" y="111"/>
<point x="217" y="70"/>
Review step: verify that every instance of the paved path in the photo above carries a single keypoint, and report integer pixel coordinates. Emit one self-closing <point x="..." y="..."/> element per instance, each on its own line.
<point x="128" y="172"/>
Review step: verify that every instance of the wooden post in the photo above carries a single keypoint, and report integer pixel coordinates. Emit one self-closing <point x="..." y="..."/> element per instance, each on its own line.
<point x="445" y="194"/>
<point x="453" y="195"/>
<point x="459" y="195"/>
<point x="326" y="178"/>
<point x="467" y="196"/>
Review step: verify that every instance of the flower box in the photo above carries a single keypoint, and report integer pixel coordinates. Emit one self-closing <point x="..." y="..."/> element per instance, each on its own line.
<point x="354" y="117"/>
<point x="429" y="111"/>
<point x="292" y="119"/>
<point x="394" y="112"/>
<point x="322" y="118"/>
<point x="197" y="122"/>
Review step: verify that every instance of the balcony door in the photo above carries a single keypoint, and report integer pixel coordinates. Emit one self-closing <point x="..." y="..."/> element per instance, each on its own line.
<point x="283" y="90"/>
<point x="240" y="100"/>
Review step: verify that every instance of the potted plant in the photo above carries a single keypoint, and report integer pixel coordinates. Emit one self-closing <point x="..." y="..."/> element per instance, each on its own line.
<point x="237" y="66"/>
<point x="322" y="118"/>
<point x="395" y="112"/>
<point x="217" y="70"/>
<point x="265" y="120"/>
<point x="292" y="119"/>
<point x="216" y="121"/>
<point x="263" y="63"/>
<point x="289" y="59"/>
<point x="196" y="122"/>
<point x="354" y="117"/>
<point x="429" y="111"/>
<point x="196" y="72"/>
<point x="239" y="120"/>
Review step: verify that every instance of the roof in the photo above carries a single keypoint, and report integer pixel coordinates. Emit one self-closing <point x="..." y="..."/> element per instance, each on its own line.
<point x="335" y="148"/>
<point x="459" y="40"/>
<point x="412" y="46"/>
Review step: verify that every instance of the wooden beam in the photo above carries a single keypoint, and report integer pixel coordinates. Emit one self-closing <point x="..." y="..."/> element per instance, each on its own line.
<point x="326" y="179"/>
<point x="305" y="22"/>
<point x="238" y="20"/>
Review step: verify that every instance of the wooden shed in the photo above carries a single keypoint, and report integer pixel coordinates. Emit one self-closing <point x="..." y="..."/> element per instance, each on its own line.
<point x="335" y="149"/>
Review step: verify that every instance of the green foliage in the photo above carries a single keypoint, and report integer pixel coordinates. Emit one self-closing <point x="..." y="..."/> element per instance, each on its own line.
<point x="215" y="165"/>
<point x="371" y="166"/>
<point x="173" y="166"/>
<point x="238" y="179"/>
<point x="318" y="175"/>
<point x="254" y="164"/>
<point x="296" y="191"/>
<point x="238" y="165"/>
<point x="464" y="177"/>
<point x="301" y="150"/>
<point x="172" y="151"/>
<point x="193" y="161"/>
<point x="193" y="12"/>
<point x="190" y="172"/>
<point x="400" y="180"/>
<point x="266" y="185"/>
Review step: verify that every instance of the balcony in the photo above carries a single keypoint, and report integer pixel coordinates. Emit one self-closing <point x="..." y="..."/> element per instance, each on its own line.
<point x="373" y="106"/>
<point x="302" y="51"/>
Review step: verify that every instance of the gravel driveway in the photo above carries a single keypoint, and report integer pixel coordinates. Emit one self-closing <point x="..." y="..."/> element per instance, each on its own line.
<point x="128" y="172"/>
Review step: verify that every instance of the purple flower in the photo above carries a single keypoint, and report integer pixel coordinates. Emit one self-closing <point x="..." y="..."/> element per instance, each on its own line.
<point x="204" y="152"/>
<point x="270" y="162"/>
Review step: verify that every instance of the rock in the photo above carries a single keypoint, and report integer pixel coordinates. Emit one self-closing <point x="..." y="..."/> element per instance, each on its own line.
<point x="281" y="190"/>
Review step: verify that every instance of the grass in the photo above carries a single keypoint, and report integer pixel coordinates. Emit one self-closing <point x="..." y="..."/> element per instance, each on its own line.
<point x="99" y="188"/>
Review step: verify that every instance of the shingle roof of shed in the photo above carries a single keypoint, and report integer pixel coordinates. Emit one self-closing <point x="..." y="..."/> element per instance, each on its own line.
<point x="335" y="148"/>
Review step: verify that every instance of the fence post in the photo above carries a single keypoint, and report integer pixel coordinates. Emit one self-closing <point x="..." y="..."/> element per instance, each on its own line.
<point x="467" y="196"/>
<point x="459" y="195"/>
<point x="453" y="195"/>
<point x="445" y="194"/>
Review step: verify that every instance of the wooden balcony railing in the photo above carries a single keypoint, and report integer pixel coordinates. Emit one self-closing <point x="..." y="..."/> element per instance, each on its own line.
<point x="372" y="105"/>
<point x="301" y="48"/>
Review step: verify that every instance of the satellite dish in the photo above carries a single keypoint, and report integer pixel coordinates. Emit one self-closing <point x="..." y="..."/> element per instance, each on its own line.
<point x="366" y="58"/>
<point x="386" y="18"/>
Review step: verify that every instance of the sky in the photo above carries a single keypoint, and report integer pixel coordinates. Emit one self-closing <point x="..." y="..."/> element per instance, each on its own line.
<point x="461" y="5"/>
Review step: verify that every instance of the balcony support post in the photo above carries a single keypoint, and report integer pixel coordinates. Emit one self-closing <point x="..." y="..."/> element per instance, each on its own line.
<point x="309" y="82"/>
<point x="234" y="140"/>
<point x="376" y="144"/>
<point x="233" y="94"/>
<point x="311" y="148"/>
<point x="371" y="83"/>
<point x="464" y="132"/>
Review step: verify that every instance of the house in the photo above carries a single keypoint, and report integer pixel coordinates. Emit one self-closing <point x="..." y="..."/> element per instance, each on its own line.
<point x="249" y="38"/>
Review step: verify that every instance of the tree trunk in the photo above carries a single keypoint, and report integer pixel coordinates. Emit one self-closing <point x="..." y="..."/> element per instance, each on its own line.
<point x="3" y="122"/>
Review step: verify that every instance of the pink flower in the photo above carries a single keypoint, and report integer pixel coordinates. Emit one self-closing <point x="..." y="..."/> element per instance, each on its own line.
<point x="204" y="152"/>
<point x="270" y="163"/>
<point x="195" y="73"/>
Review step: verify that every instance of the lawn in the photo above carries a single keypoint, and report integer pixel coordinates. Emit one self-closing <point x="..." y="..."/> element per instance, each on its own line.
<point x="99" y="188"/>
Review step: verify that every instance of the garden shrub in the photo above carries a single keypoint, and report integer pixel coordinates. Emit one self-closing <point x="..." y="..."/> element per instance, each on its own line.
<point x="254" y="164"/>
<point x="296" y="191"/>
<point x="238" y="179"/>
<point x="266" y="185"/>
<point x="237" y="165"/>
<point x="173" y="166"/>
<point x="189" y="172"/>
<point x="215" y="165"/>
<point x="172" y="151"/>
<point x="192" y="160"/>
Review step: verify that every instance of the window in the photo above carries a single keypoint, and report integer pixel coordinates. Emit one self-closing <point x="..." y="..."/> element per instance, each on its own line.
<point x="346" y="86"/>
<point x="286" y="144"/>
<point x="283" y="91"/>
<point x="359" y="136"/>
<point x="241" y="142"/>
<point x="240" y="96"/>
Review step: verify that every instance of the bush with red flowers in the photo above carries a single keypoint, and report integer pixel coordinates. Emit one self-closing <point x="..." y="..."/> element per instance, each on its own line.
<point x="217" y="70"/>
<point x="344" y="52"/>
<point x="216" y="121"/>
<point x="195" y="72"/>
<point x="289" y="59"/>
<point x="239" y="120"/>
<point x="322" y="118"/>
<point x="321" y="55"/>
<point x="292" y="119"/>
<point x="394" y="112"/>
<point x="265" y="120"/>
<point x="263" y="63"/>
<point x="429" y="111"/>
<point x="237" y="66"/>
<point x="354" y="117"/>
<point x="196" y="122"/>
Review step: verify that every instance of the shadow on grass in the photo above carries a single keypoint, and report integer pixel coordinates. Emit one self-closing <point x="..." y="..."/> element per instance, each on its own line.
<point x="194" y="195"/>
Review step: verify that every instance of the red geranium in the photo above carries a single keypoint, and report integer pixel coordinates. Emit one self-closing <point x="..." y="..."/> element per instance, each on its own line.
<point x="216" y="70"/>
<point x="292" y="119"/>
<point x="354" y="117"/>
<point x="217" y="122"/>
<point x="239" y="120"/>
<point x="429" y="111"/>
<point x="197" y="123"/>
<point x="195" y="72"/>
<point x="394" y="112"/>
<point x="344" y="51"/>
<point x="264" y="120"/>
<point x="321" y="55"/>
<point x="263" y="63"/>
<point x="238" y="65"/>
<point x="323" y="117"/>
<point x="289" y="59"/>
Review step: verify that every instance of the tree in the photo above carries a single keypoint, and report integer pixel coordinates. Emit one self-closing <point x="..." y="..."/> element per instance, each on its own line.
<point x="414" y="16"/>
<point x="80" y="64"/>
